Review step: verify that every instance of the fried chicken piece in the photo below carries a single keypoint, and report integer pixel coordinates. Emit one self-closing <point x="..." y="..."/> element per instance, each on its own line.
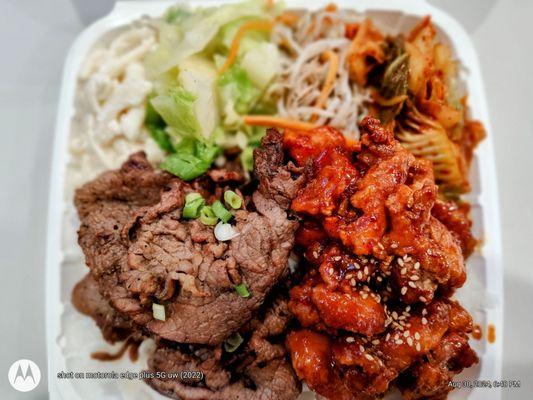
<point x="346" y="308"/>
<point x="429" y="378"/>
<point x="311" y="359"/>
<point x="377" y="200"/>
<point x="380" y="264"/>
<point x="456" y="218"/>
<point x="321" y="195"/>
<point x="353" y="367"/>
<point x="304" y="146"/>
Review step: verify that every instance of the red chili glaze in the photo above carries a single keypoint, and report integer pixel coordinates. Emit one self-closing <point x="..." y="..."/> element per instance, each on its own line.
<point x="379" y="260"/>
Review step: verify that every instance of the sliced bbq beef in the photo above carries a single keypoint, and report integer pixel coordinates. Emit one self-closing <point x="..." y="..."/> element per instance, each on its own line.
<point x="279" y="178"/>
<point x="140" y="251"/>
<point x="257" y="370"/>
<point x="88" y="300"/>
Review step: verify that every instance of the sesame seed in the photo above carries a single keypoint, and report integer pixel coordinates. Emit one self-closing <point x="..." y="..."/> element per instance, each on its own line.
<point x="406" y="333"/>
<point x="417" y="265"/>
<point x="337" y="258"/>
<point x="407" y="258"/>
<point x="315" y="254"/>
<point x="352" y="282"/>
<point x="410" y="341"/>
<point x="369" y="357"/>
<point x="415" y="277"/>
<point x="330" y="271"/>
<point x="394" y="246"/>
<point x="379" y="278"/>
<point x="361" y="349"/>
<point x="357" y="266"/>
<point x="364" y="295"/>
<point x="404" y="290"/>
<point x="400" y="262"/>
<point x="394" y="315"/>
<point x="365" y="261"/>
<point x="366" y="270"/>
<point x="381" y="246"/>
<point x="387" y="337"/>
<point x="418" y="347"/>
<point x="359" y="275"/>
<point x="412" y="284"/>
<point x="408" y="308"/>
<point x="350" y="339"/>
<point x="375" y="341"/>
<point x="403" y="271"/>
<point x="424" y="311"/>
<point x="401" y="318"/>
<point x="424" y="321"/>
<point x="422" y="299"/>
<point x="417" y="336"/>
<point x="399" y="341"/>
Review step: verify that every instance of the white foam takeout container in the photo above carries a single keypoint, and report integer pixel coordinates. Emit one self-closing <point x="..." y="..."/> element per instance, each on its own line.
<point x="71" y="338"/>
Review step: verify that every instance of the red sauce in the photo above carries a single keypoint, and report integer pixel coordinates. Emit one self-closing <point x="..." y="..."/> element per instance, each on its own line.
<point x="368" y="236"/>
<point x="477" y="333"/>
<point x="491" y="333"/>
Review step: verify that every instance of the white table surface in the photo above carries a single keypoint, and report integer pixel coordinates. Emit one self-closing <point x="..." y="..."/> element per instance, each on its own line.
<point x="34" y="38"/>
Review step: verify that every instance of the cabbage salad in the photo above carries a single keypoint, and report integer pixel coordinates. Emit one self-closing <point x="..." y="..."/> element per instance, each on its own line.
<point x="212" y="68"/>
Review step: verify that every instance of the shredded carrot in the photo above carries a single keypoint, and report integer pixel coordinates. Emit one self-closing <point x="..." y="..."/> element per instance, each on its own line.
<point x="333" y="59"/>
<point x="288" y="18"/>
<point x="234" y="49"/>
<point x="276" y="122"/>
<point x="331" y="7"/>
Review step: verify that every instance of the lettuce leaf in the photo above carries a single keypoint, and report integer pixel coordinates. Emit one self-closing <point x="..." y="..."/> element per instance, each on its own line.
<point x="261" y="63"/>
<point x="176" y="108"/>
<point x="156" y="126"/>
<point x="195" y="31"/>
<point x="236" y="88"/>
<point x="192" y="158"/>
<point x="198" y="76"/>
<point x="176" y="15"/>
<point x="161" y="137"/>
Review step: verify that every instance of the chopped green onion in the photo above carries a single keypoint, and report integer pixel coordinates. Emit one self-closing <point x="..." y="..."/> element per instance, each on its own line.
<point x="233" y="199"/>
<point x="192" y="196"/>
<point x="158" y="311"/>
<point x="192" y="208"/>
<point x="221" y="212"/>
<point x="233" y="343"/>
<point x="207" y="216"/>
<point x="242" y="290"/>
